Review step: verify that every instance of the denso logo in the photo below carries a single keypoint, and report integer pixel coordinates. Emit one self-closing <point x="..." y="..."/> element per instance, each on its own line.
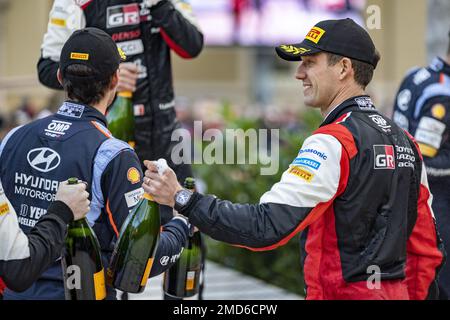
<point x="43" y="159"/>
<point x="122" y="15"/>
<point x="384" y="157"/>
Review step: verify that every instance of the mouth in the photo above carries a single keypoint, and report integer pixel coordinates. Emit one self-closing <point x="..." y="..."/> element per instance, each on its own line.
<point x="306" y="86"/>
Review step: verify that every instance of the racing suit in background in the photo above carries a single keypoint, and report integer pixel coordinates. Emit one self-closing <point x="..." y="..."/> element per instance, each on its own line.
<point x="146" y="35"/>
<point x="75" y="142"/>
<point x="422" y="107"/>
<point x="359" y="192"/>
<point x="24" y="258"/>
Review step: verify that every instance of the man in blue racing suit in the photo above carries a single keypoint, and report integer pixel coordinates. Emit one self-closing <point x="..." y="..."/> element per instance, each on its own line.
<point x="75" y="142"/>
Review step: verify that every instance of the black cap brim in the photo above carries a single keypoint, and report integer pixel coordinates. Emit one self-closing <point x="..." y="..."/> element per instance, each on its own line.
<point x="295" y="52"/>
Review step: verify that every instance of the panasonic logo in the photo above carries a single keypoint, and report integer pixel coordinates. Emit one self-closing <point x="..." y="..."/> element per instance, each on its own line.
<point x="43" y="159"/>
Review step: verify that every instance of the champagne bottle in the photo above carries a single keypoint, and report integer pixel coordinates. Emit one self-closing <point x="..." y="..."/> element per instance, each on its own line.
<point x="84" y="277"/>
<point x="132" y="259"/>
<point x="120" y="117"/>
<point x="182" y="279"/>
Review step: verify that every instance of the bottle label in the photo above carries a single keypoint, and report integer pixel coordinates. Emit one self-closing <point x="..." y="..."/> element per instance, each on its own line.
<point x="125" y="94"/>
<point x="148" y="197"/>
<point x="99" y="285"/>
<point x="190" y="279"/>
<point x="148" y="268"/>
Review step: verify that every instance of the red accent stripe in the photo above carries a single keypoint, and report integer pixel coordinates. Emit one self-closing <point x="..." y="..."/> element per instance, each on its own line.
<point x="111" y="219"/>
<point x="84" y="6"/>
<point x="424" y="256"/>
<point x="175" y="47"/>
<point x="442" y="78"/>
<point x="415" y="143"/>
<point x="344" y="136"/>
<point x="101" y="130"/>
<point x="2" y="286"/>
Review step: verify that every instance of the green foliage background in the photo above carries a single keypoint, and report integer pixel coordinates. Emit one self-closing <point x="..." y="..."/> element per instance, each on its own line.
<point x="244" y="184"/>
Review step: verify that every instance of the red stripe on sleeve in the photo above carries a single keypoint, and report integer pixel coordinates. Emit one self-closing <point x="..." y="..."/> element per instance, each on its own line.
<point x="2" y="286"/>
<point x="318" y="211"/>
<point x="175" y="47"/>
<point x="424" y="256"/>
<point x="343" y="135"/>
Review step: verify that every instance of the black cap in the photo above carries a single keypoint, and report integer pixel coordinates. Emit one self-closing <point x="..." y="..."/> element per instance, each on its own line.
<point x="343" y="37"/>
<point x="94" y="48"/>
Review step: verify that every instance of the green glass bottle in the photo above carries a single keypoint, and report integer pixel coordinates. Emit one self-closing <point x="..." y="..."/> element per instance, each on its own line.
<point x="132" y="259"/>
<point x="182" y="279"/>
<point x="120" y="117"/>
<point x="84" y="277"/>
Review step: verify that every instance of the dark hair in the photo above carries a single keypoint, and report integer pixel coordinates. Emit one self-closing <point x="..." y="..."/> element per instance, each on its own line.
<point x="363" y="71"/>
<point x="88" y="92"/>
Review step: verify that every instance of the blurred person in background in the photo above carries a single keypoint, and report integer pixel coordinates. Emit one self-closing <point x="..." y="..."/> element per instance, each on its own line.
<point x="23" y="258"/>
<point x="357" y="189"/>
<point x="147" y="31"/>
<point x="422" y="107"/>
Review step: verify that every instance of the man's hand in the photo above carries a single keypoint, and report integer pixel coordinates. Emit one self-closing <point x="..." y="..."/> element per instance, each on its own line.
<point x="161" y="187"/>
<point x="75" y="197"/>
<point x="128" y="74"/>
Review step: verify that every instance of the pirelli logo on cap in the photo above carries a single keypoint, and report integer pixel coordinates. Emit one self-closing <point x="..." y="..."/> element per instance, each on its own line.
<point x="315" y="34"/>
<point x="79" y="56"/>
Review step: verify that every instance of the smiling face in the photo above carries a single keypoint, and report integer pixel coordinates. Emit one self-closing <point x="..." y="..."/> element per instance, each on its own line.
<point x="321" y="82"/>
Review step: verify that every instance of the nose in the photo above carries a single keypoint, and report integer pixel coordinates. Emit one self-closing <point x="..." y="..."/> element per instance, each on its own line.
<point x="300" y="74"/>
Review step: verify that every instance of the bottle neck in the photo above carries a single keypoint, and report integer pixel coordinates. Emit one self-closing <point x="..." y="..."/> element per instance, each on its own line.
<point x="80" y="223"/>
<point x="148" y="197"/>
<point x="125" y="94"/>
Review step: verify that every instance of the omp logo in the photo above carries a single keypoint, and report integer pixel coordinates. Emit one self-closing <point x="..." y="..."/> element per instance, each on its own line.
<point x="122" y="15"/>
<point x="315" y="34"/>
<point x="79" y="56"/>
<point x="57" y="128"/>
<point x="384" y="157"/>
<point x="43" y="159"/>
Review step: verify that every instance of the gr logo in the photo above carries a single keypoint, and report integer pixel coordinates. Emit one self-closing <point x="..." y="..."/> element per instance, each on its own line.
<point x="384" y="157"/>
<point x="122" y="15"/>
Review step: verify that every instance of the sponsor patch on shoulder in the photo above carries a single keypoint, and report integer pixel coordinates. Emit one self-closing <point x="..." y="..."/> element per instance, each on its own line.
<point x="133" y="175"/>
<point x="301" y="173"/>
<point x="132" y="198"/>
<point x="4" y="209"/>
<point x="438" y="111"/>
<point x="307" y="162"/>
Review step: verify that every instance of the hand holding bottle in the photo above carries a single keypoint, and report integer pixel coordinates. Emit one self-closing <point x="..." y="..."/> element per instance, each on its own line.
<point x="128" y="75"/>
<point x="75" y="197"/>
<point x="162" y="187"/>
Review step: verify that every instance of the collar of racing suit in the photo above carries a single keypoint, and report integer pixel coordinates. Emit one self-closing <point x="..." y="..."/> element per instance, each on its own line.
<point x="354" y="103"/>
<point x="72" y="109"/>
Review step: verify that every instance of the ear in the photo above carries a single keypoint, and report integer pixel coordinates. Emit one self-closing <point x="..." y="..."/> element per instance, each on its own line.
<point x="59" y="76"/>
<point x="115" y="79"/>
<point x="346" y="68"/>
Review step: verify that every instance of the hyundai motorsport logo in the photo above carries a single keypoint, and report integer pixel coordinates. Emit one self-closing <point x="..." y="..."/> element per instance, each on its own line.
<point x="122" y="15"/>
<point x="384" y="157"/>
<point x="43" y="159"/>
